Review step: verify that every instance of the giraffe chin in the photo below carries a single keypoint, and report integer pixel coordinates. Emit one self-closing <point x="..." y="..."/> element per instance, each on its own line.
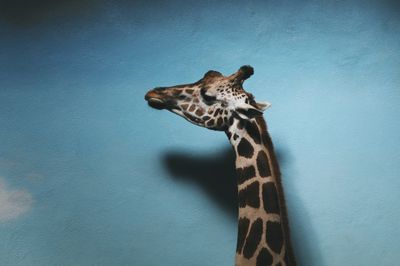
<point x="156" y="103"/>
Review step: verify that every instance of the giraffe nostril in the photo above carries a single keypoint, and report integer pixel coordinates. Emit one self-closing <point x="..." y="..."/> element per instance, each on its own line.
<point x="150" y="94"/>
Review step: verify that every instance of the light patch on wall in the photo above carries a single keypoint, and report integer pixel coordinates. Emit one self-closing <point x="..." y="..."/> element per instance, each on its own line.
<point x="13" y="202"/>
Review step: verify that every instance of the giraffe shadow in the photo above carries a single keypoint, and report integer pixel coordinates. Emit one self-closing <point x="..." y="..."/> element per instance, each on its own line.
<point x="214" y="173"/>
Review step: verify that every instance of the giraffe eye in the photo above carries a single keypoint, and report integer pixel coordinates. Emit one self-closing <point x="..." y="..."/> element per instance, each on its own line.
<point x="206" y="97"/>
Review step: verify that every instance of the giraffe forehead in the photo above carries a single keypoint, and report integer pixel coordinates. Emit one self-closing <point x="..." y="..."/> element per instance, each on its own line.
<point x="226" y="89"/>
<point x="219" y="85"/>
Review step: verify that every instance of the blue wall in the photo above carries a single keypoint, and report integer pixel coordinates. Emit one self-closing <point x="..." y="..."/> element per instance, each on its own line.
<point x="90" y="175"/>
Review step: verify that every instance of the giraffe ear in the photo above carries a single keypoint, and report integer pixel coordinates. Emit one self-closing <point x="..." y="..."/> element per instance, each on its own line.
<point x="244" y="73"/>
<point x="248" y="111"/>
<point x="263" y="105"/>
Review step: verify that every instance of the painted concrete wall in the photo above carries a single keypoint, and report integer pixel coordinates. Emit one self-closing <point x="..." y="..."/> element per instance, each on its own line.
<point x="89" y="175"/>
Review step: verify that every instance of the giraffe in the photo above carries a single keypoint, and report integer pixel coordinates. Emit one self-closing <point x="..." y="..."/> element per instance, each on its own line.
<point x="220" y="103"/>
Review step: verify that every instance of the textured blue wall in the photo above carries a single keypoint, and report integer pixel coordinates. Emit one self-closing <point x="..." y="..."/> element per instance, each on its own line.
<point x="90" y="175"/>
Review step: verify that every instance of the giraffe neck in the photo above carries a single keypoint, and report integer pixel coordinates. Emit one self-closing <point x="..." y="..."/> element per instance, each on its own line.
<point x="263" y="235"/>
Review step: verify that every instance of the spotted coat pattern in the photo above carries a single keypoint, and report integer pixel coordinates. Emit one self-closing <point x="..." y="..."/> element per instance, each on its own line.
<point x="262" y="228"/>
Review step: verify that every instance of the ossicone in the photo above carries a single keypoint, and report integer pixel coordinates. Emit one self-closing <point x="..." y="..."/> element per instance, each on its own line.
<point x="244" y="73"/>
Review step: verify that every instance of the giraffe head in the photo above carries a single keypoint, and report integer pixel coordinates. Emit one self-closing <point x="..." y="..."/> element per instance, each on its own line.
<point x="212" y="101"/>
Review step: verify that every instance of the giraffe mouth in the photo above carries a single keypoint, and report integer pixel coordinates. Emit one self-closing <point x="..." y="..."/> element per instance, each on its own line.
<point x="156" y="103"/>
<point x="153" y="99"/>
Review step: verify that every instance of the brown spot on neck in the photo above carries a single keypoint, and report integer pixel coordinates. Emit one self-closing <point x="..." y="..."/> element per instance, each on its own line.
<point x="245" y="149"/>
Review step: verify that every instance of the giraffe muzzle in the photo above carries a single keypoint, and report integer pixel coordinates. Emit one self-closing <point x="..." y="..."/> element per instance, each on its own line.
<point x="155" y="100"/>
